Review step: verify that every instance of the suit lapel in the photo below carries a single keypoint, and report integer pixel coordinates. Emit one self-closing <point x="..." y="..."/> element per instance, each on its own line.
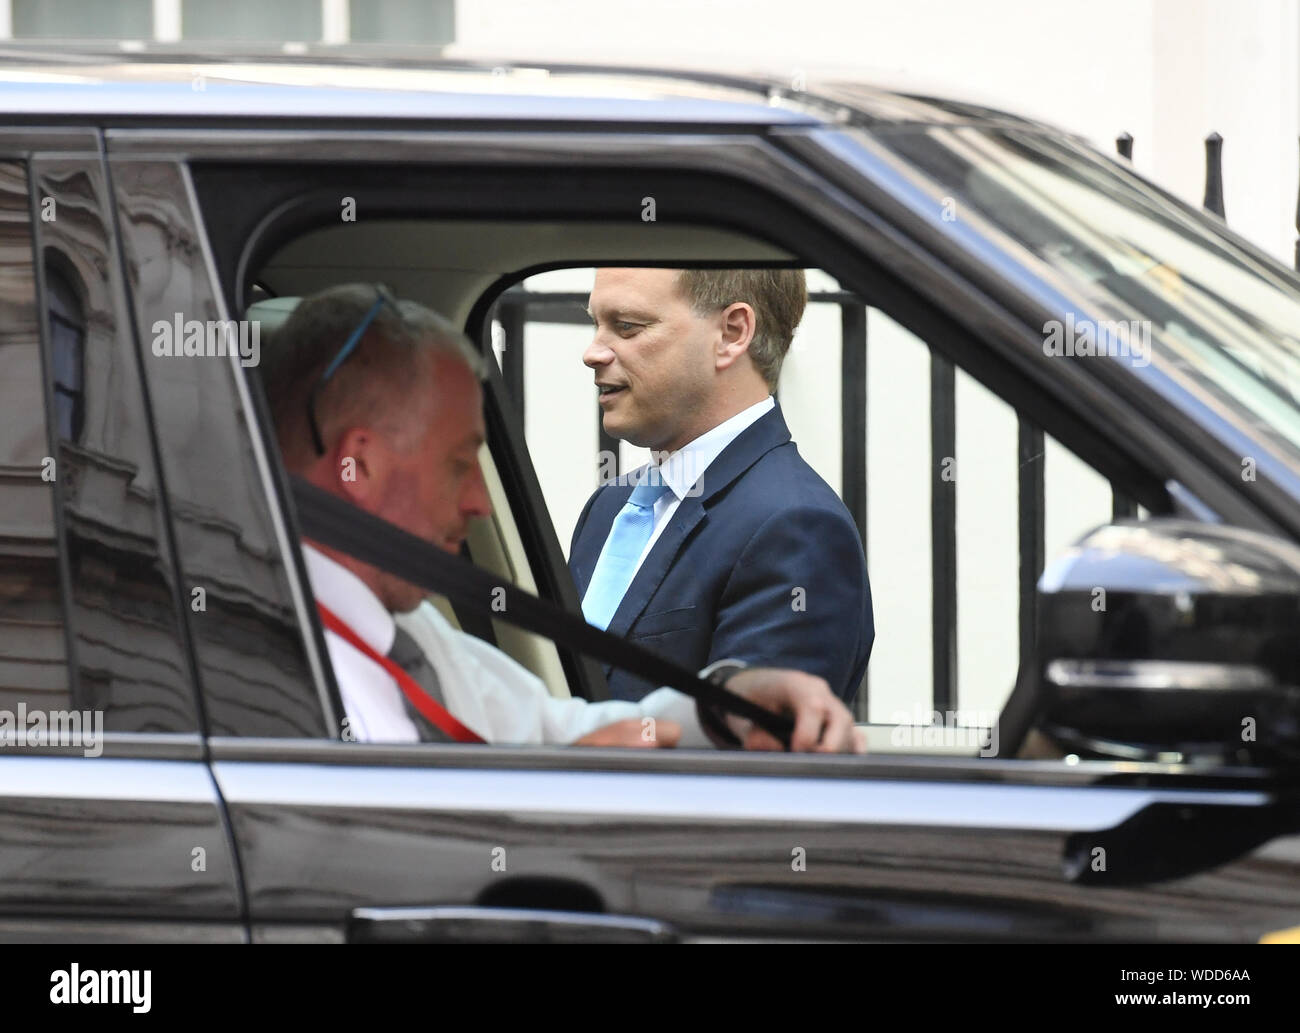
<point x="754" y="442"/>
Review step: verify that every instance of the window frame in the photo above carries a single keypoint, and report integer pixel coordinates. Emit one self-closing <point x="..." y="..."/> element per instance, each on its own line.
<point x="796" y="201"/>
<point x="854" y="319"/>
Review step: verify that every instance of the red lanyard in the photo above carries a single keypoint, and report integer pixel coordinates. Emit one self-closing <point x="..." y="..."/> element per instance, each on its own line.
<point x="426" y="705"/>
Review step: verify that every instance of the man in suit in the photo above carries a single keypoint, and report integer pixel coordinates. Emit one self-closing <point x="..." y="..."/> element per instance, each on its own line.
<point x="727" y="545"/>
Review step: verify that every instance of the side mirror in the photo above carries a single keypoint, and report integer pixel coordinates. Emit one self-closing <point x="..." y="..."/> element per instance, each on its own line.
<point x="1172" y="640"/>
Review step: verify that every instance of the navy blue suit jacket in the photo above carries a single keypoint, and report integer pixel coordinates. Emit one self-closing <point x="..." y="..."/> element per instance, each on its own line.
<point x="764" y="565"/>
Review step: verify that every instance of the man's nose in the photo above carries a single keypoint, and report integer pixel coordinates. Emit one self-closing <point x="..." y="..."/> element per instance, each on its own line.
<point x="598" y="353"/>
<point x="476" y="502"/>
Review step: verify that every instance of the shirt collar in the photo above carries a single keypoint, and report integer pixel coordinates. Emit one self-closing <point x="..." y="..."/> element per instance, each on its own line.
<point x="352" y="602"/>
<point x="683" y="469"/>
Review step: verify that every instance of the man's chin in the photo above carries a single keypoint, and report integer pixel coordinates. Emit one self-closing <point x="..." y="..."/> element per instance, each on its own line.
<point x="400" y="596"/>
<point x="620" y="430"/>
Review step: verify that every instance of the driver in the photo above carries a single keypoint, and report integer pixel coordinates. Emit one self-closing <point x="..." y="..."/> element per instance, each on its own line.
<point x="379" y="402"/>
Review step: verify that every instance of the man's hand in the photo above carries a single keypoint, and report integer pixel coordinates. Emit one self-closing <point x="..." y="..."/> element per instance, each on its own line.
<point x="822" y="723"/>
<point x="632" y="732"/>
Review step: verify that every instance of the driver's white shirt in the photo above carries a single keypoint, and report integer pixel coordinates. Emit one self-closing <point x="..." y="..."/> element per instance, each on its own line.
<point x="482" y="687"/>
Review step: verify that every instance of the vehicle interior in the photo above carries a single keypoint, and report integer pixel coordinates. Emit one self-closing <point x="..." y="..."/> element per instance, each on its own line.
<point x="459" y="268"/>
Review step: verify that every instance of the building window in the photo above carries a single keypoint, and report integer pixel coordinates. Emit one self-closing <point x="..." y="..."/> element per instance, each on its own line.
<point x="82" y="19"/>
<point x="252" y="20"/>
<point x="424" y="22"/>
<point x="68" y="353"/>
<point x="403" y="21"/>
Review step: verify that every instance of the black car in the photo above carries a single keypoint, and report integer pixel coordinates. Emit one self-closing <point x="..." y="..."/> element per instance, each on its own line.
<point x="151" y="580"/>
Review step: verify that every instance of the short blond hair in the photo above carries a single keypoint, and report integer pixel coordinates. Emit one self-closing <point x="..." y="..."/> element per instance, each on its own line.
<point x="777" y="296"/>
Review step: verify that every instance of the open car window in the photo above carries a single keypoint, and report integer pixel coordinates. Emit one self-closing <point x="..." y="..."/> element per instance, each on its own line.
<point x="903" y="447"/>
<point x="923" y="462"/>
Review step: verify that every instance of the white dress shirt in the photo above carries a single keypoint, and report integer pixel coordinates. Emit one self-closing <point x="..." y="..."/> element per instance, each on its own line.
<point x="682" y="470"/>
<point x="482" y="687"/>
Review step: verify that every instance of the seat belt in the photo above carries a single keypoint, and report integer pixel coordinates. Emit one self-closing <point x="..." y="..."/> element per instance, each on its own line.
<point x="334" y="522"/>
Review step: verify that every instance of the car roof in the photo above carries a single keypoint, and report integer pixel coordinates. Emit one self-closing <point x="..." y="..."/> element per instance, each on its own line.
<point x="134" y="80"/>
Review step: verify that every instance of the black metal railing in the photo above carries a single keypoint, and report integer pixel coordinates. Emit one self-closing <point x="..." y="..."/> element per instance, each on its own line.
<point x="1213" y="198"/>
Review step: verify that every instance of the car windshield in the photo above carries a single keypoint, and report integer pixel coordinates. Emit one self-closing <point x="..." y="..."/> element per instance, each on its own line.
<point x="1223" y="322"/>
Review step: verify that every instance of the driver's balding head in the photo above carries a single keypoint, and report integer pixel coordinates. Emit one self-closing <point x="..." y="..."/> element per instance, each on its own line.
<point x="383" y="383"/>
<point x="401" y="420"/>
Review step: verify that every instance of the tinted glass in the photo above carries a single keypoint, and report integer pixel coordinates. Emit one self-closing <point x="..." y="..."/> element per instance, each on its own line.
<point x="66" y="331"/>
<point x="33" y="651"/>
<point x="127" y="644"/>
<point x="252" y="662"/>
<point x="1160" y="284"/>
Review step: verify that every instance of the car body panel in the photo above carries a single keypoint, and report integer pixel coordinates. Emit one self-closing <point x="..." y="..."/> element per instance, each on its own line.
<point x="118" y="844"/>
<point x="757" y="855"/>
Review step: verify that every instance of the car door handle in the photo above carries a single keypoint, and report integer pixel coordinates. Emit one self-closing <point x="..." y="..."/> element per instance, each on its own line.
<point x="468" y="924"/>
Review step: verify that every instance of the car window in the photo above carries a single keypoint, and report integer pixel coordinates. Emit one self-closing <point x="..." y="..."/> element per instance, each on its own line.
<point x="118" y="561"/>
<point x="951" y="485"/>
<point x="1169" y="291"/>
<point x="954" y="612"/>
<point x="33" y="643"/>
<point x="239" y="600"/>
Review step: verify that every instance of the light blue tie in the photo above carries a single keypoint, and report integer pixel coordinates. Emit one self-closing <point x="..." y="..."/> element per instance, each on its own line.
<point x="628" y="537"/>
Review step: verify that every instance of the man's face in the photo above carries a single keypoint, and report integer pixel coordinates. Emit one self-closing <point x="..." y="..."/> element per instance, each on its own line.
<point x="432" y="485"/>
<point x="653" y="358"/>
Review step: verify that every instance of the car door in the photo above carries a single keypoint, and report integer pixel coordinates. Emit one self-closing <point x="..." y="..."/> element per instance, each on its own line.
<point x="111" y="827"/>
<point x="344" y="840"/>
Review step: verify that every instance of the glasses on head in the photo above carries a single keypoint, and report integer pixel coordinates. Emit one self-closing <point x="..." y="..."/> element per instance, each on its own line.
<point x="382" y="298"/>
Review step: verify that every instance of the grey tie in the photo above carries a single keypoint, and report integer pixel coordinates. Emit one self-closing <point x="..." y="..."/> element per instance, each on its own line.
<point x="407" y="654"/>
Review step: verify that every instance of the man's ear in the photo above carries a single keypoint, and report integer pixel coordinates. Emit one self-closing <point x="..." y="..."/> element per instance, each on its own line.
<point x="737" y="325"/>
<point x="360" y="466"/>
